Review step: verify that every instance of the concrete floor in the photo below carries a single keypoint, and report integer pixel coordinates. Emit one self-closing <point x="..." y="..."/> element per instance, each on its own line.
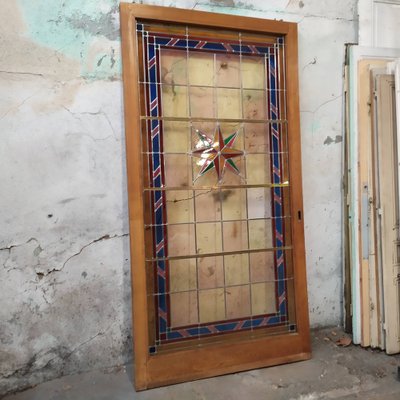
<point x="333" y="373"/>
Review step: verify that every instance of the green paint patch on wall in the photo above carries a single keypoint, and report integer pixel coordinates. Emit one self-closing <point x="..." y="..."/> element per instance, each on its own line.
<point x="84" y="30"/>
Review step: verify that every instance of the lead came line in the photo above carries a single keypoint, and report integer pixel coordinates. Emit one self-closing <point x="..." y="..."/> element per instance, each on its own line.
<point x="216" y="120"/>
<point x="227" y="253"/>
<point x="210" y="188"/>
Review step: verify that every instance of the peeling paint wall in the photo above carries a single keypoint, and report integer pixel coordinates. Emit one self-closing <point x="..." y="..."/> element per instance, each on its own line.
<point x="64" y="255"/>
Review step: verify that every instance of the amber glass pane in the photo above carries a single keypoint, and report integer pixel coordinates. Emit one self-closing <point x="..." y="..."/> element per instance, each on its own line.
<point x="253" y="104"/>
<point x="233" y="204"/>
<point x="212" y="305"/>
<point x="175" y="99"/>
<point x="229" y="104"/>
<point x="256" y="138"/>
<point x="178" y="171"/>
<point x="210" y="272"/>
<point x="253" y="76"/>
<point x="173" y="67"/>
<point x="238" y="301"/>
<point x="179" y="206"/>
<point x="202" y="102"/>
<point x="227" y="70"/>
<point x="201" y="69"/>
<point x="263" y="300"/>
<point x="260" y="234"/>
<point x="259" y="203"/>
<point x="181" y="239"/>
<point x="209" y="238"/>
<point x="184" y="308"/>
<point x="208" y="205"/>
<point x="236" y="269"/>
<point x="235" y="236"/>
<point x="182" y="274"/>
<point x="176" y="137"/>
<point x="262" y="267"/>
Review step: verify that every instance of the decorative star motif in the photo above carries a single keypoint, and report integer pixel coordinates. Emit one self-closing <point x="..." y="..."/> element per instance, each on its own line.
<point x="217" y="153"/>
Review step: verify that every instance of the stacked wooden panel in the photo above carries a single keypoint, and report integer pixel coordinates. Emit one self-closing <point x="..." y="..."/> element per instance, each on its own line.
<point x="372" y="192"/>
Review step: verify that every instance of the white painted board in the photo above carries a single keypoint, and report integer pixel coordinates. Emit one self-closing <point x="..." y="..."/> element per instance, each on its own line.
<point x="357" y="53"/>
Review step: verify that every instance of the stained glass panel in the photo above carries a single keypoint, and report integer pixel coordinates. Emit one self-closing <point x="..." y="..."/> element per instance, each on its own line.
<point x="216" y="189"/>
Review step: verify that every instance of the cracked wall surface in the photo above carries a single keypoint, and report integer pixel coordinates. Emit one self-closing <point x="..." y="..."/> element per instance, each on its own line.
<point x="64" y="251"/>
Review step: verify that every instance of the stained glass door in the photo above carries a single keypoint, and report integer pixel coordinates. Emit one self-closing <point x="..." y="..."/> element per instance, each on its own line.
<point x="214" y="189"/>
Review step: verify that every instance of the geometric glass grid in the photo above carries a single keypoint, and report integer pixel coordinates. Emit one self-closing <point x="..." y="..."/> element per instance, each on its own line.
<point x="213" y="143"/>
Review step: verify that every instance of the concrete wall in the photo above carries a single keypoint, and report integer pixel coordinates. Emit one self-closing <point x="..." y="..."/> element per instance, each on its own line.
<point x="64" y="257"/>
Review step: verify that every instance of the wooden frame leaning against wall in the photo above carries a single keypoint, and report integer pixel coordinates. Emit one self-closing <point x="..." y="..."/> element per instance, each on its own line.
<point x="364" y="264"/>
<point x="232" y="345"/>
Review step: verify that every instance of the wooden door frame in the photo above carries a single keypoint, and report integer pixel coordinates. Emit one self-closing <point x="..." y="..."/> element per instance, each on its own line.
<point x="234" y="355"/>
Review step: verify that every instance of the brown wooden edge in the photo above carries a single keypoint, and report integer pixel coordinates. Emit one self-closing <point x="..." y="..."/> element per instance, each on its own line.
<point x="213" y="359"/>
<point x="296" y="193"/>
<point x="135" y="196"/>
<point x="182" y="16"/>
